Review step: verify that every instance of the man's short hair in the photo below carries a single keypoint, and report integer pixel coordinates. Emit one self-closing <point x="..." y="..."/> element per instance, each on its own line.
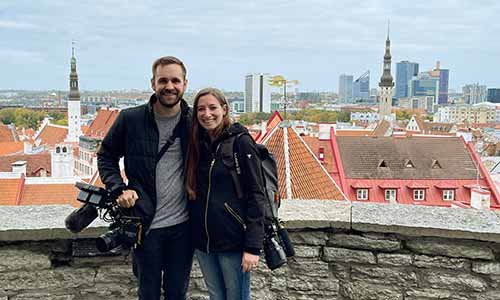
<point x="168" y="60"/>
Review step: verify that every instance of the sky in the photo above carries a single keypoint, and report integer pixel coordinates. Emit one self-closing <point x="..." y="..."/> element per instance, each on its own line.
<point x="220" y="41"/>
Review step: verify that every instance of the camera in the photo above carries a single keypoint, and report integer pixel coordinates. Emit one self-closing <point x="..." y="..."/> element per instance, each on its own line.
<point x="277" y="245"/>
<point x="125" y="230"/>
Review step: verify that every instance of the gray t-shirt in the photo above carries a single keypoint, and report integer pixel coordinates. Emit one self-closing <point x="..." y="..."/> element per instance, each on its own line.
<point x="171" y="202"/>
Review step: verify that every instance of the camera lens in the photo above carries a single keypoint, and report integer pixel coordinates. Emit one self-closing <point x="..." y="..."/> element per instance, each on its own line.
<point x="274" y="254"/>
<point x="285" y="242"/>
<point x="108" y="241"/>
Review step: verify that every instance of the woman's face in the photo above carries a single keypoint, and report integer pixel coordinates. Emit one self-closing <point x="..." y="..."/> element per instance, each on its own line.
<point x="210" y="113"/>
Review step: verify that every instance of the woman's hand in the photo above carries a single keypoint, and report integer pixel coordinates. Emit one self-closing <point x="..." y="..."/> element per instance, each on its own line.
<point x="249" y="262"/>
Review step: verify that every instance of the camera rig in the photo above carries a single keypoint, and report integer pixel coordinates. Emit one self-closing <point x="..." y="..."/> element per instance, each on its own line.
<point x="125" y="230"/>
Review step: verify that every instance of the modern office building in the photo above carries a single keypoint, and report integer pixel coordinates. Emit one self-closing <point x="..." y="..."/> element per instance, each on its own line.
<point x="361" y="87"/>
<point x="474" y="93"/>
<point x="423" y="85"/>
<point x="405" y="71"/>
<point x="345" y="89"/>
<point x="494" y="95"/>
<point x="257" y="93"/>
<point x="443" y="76"/>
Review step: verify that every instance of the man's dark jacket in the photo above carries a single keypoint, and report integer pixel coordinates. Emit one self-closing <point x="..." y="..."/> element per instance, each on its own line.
<point x="134" y="136"/>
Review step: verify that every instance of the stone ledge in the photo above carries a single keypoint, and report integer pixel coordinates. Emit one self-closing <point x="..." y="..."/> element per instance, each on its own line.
<point x="18" y="223"/>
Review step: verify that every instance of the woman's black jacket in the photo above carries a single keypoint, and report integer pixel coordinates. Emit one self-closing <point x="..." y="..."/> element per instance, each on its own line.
<point x="222" y="222"/>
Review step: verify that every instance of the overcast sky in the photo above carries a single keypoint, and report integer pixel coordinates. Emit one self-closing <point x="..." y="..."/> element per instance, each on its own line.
<point x="313" y="41"/>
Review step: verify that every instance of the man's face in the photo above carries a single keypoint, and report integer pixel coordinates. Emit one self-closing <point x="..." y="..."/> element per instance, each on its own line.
<point x="169" y="84"/>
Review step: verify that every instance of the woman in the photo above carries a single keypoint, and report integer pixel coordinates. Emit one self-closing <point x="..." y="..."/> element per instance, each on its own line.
<point x="227" y="231"/>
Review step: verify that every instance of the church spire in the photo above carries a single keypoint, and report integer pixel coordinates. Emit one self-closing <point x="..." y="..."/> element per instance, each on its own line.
<point x="74" y="93"/>
<point x="386" y="79"/>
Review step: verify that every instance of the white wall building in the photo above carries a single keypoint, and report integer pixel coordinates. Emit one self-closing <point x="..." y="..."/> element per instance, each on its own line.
<point x="257" y="93"/>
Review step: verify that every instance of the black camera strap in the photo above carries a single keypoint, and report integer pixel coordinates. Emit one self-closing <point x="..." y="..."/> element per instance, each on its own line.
<point x="170" y="141"/>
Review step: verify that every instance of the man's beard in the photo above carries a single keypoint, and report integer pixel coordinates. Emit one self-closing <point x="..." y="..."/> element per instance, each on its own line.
<point x="168" y="104"/>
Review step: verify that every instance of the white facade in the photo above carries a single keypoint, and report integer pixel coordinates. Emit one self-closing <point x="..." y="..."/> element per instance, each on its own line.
<point x="480" y="113"/>
<point x="385" y="102"/>
<point x="62" y="160"/>
<point x="364" y="116"/>
<point x="74" y="122"/>
<point x="257" y="93"/>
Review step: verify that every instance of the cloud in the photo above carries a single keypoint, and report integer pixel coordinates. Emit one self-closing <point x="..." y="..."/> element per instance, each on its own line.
<point x="5" y="24"/>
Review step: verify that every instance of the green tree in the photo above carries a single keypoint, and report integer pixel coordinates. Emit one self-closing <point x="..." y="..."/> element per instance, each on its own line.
<point x="344" y="116"/>
<point x="28" y="118"/>
<point x="62" y="122"/>
<point x="7" y="115"/>
<point x="56" y="115"/>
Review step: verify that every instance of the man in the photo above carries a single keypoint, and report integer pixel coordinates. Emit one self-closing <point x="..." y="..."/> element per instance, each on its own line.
<point x="155" y="190"/>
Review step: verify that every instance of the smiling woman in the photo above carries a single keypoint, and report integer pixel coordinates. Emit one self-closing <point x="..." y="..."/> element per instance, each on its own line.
<point x="227" y="231"/>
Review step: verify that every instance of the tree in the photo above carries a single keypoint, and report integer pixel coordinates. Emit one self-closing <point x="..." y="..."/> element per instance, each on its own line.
<point x="56" y="115"/>
<point x="7" y="115"/>
<point x="28" y="118"/>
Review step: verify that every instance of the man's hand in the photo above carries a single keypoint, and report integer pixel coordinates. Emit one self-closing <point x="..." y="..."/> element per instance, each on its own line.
<point x="249" y="262"/>
<point x="127" y="198"/>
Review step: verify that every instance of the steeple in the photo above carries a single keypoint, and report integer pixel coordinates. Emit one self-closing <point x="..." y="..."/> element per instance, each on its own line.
<point x="74" y="94"/>
<point x="74" y="110"/>
<point x="386" y="79"/>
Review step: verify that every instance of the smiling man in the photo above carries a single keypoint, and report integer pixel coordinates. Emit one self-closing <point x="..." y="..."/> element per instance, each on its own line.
<point x="152" y="139"/>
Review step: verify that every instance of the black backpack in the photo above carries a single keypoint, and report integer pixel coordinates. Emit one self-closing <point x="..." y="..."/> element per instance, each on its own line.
<point x="277" y="243"/>
<point x="269" y="174"/>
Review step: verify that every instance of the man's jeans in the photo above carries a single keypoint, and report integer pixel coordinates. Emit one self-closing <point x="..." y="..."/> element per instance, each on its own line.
<point x="223" y="275"/>
<point x="168" y="250"/>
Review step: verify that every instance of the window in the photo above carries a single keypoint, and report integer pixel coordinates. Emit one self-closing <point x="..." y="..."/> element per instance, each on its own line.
<point x="362" y="194"/>
<point x="418" y="195"/>
<point x="390" y="195"/>
<point x="448" y="195"/>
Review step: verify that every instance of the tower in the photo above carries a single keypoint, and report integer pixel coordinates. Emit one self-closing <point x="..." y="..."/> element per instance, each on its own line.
<point x="386" y="84"/>
<point x="345" y="89"/>
<point x="62" y="160"/>
<point x="257" y="93"/>
<point x="74" y="122"/>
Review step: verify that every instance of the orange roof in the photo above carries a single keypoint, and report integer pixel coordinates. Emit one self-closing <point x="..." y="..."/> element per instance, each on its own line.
<point x="8" y="191"/>
<point x="7" y="148"/>
<point x="7" y="134"/>
<point x="103" y="121"/>
<point x="273" y="121"/>
<point x="33" y="162"/>
<point x="44" y="194"/>
<point x="308" y="179"/>
<point x="52" y="134"/>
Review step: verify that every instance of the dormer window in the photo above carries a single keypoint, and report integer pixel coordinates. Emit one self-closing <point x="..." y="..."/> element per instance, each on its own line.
<point x="409" y="164"/>
<point x="435" y="164"/>
<point x="362" y="194"/>
<point x="419" y="195"/>
<point x="382" y="164"/>
<point x="448" y="195"/>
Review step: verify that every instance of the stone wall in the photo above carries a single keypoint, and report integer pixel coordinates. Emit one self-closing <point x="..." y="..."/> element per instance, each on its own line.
<point x="344" y="251"/>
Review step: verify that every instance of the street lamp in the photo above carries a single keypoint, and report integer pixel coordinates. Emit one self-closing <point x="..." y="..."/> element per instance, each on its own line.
<point x="279" y="80"/>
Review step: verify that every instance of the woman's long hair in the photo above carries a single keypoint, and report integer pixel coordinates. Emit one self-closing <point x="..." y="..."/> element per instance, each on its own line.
<point x="197" y="131"/>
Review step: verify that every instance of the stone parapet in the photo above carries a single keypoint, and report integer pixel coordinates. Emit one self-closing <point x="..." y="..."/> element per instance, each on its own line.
<point x="343" y="251"/>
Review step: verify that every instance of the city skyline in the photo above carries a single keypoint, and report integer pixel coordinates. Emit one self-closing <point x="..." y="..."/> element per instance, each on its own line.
<point x="221" y="42"/>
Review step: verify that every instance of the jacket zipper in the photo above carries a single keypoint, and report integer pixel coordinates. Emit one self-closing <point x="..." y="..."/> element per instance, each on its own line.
<point x="212" y="163"/>
<point x="235" y="215"/>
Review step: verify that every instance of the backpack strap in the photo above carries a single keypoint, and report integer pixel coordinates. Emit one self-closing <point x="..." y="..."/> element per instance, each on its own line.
<point x="170" y="141"/>
<point x="232" y="163"/>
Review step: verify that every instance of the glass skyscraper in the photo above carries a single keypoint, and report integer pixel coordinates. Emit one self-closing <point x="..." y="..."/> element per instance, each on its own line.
<point x="405" y="71"/>
<point x="345" y="89"/>
<point x="361" y="87"/>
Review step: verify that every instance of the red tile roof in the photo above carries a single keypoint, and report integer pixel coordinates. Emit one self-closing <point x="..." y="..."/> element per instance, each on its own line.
<point x="44" y="194"/>
<point x="273" y="121"/>
<point x="8" y="191"/>
<point x="7" y="134"/>
<point x="103" y="121"/>
<point x="7" y="148"/>
<point x="34" y="162"/>
<point x="308" y="179"/>
<point x="18" y="192"/>
<point x="52" y="134"/>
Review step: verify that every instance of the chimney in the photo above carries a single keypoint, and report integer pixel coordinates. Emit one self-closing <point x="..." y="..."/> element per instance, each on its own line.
<point x="479" y="198"/>
<point x="19" y="167"/>
<point x="321" y="154"/>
